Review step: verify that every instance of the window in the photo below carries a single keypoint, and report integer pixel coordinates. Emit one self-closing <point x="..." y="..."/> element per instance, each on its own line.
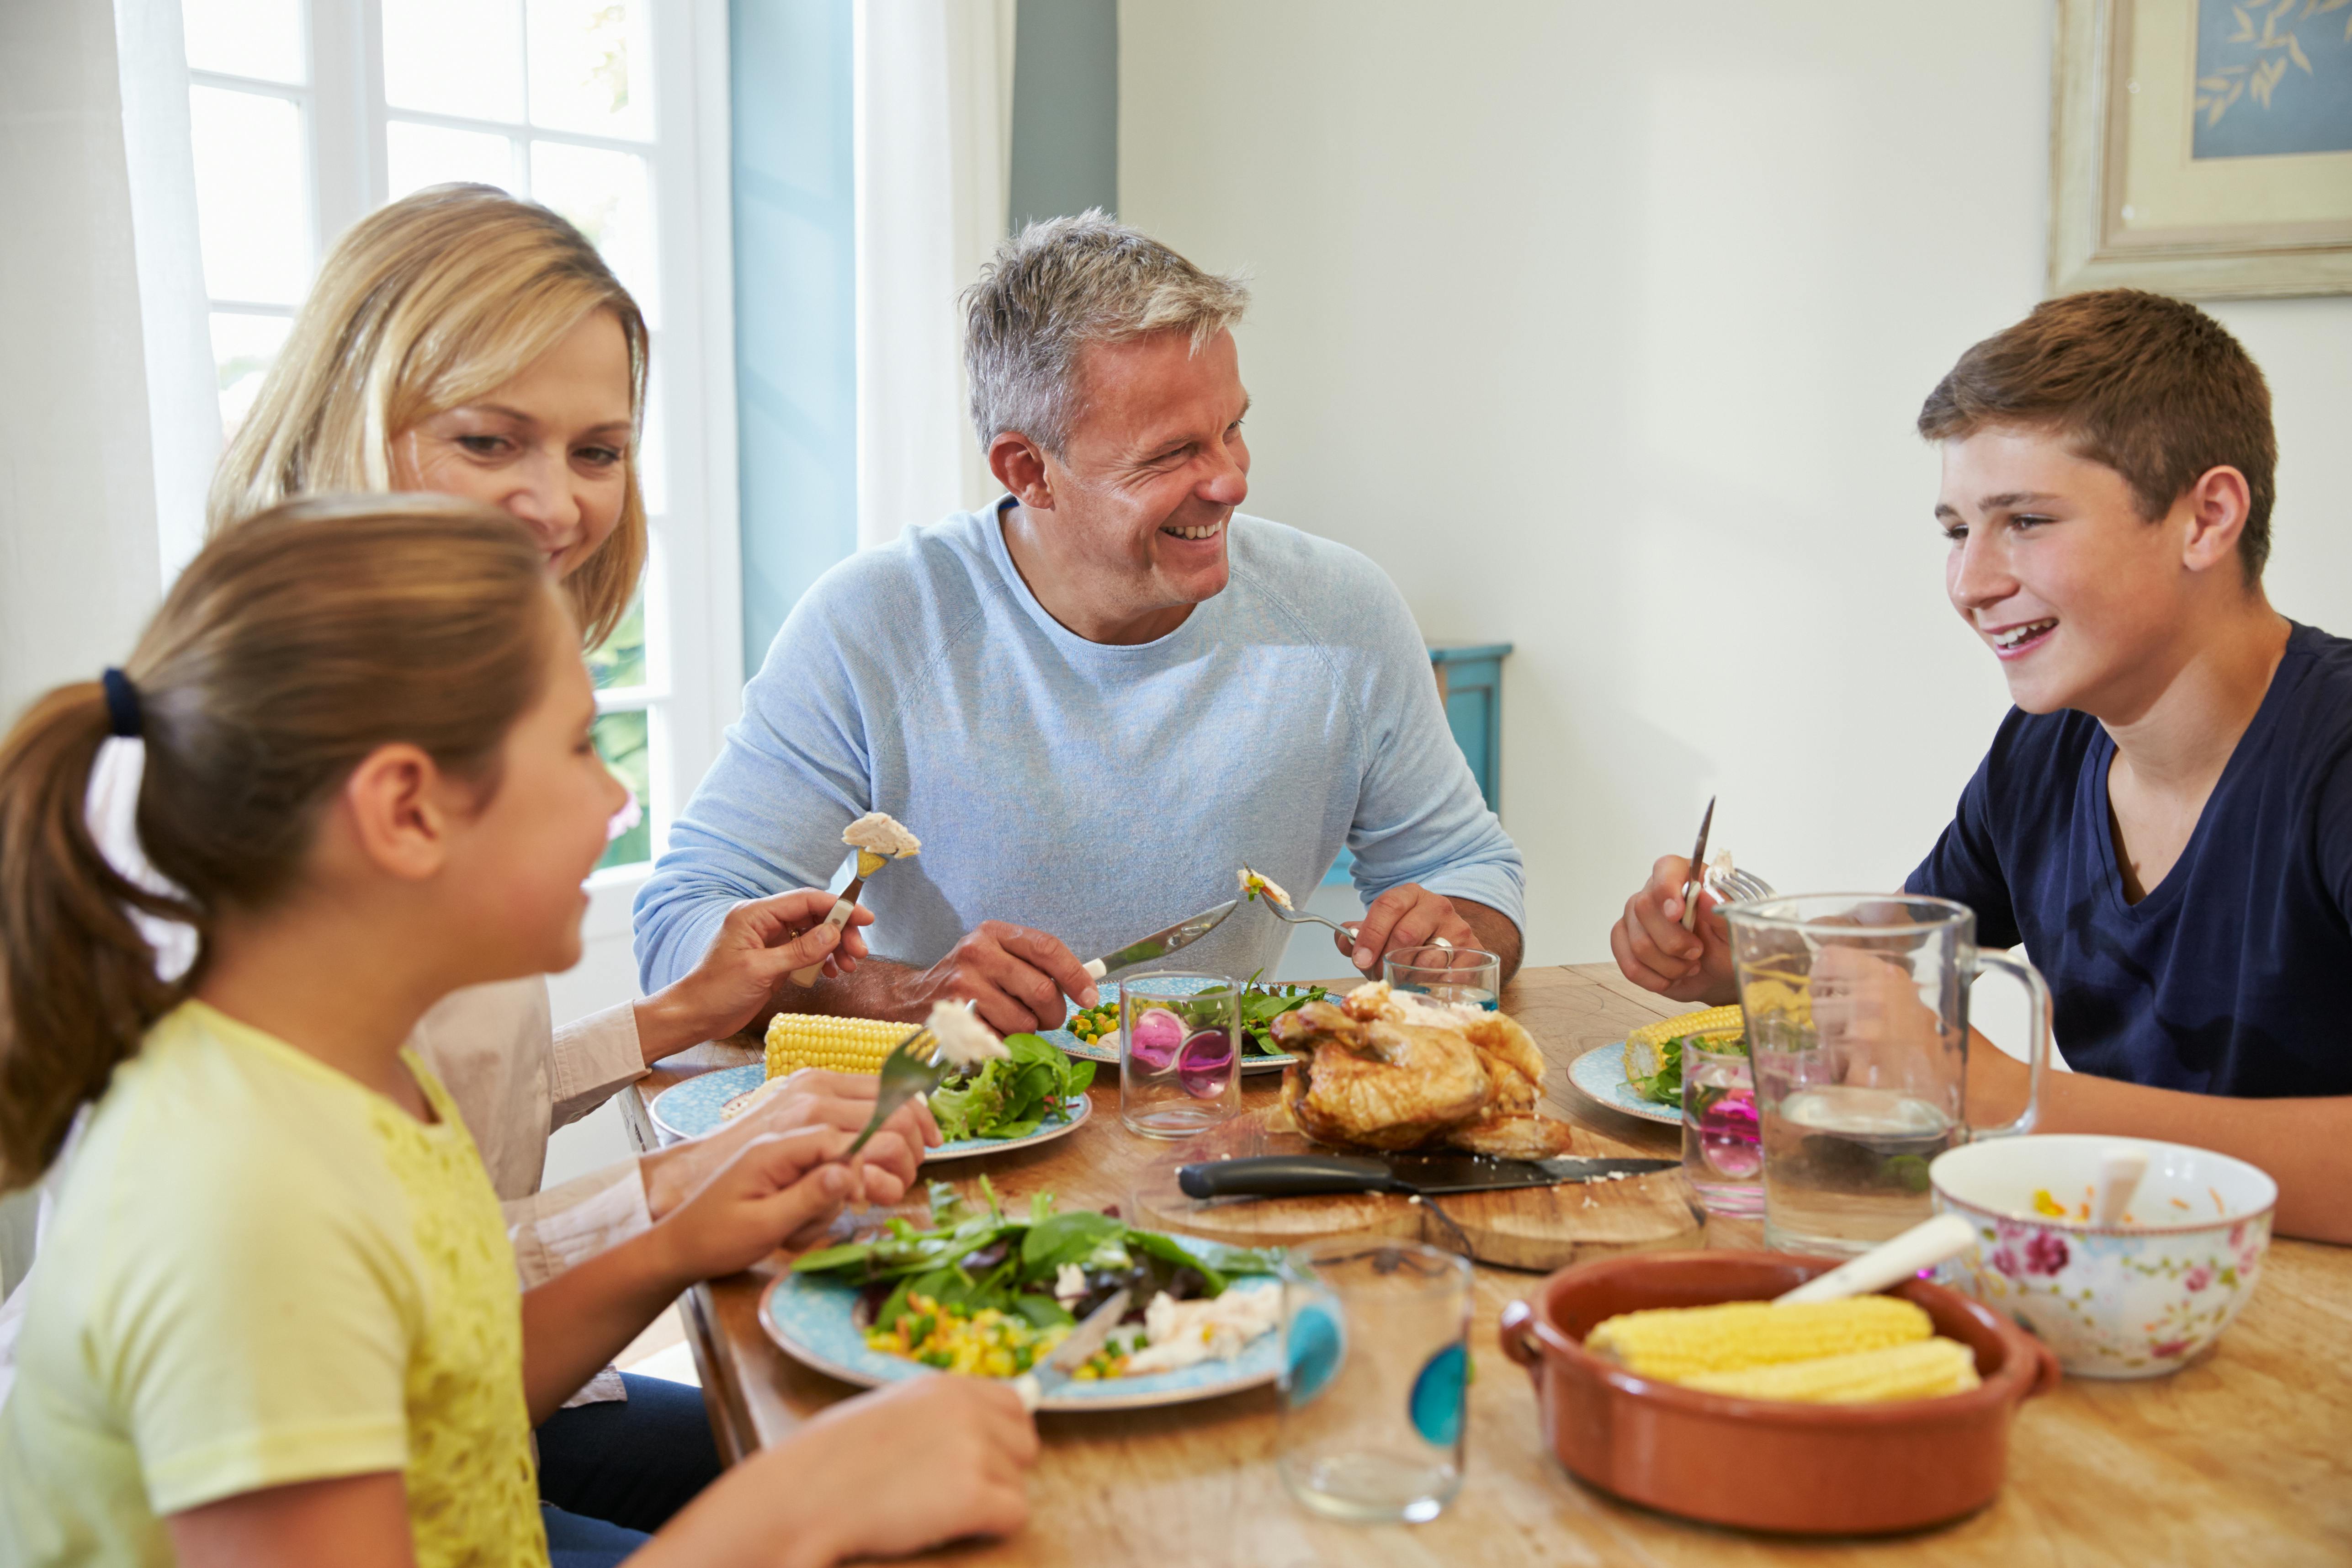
<point x="306" y="114"/>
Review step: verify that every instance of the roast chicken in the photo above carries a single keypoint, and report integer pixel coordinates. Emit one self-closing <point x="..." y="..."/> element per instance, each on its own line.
<point x="1380" y="1069"/>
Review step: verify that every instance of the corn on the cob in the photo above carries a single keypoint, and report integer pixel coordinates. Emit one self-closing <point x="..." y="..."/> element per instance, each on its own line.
<point x="1641" y="1045"/>
<point x="1921" y="1370"/>
<point x="843" y="1045"/>
<point x="1680" y="1342"/>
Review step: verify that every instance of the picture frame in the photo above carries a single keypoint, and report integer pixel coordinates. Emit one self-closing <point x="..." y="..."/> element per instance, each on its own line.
<point x="2202" y="148"/>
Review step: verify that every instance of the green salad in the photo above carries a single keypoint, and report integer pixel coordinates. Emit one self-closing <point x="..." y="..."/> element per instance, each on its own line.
<point x="1665" y="1087"/>
<point x="1011" y="1096"/>
<point x="1262" y="1005"/>
<point x="976" y="1256"/>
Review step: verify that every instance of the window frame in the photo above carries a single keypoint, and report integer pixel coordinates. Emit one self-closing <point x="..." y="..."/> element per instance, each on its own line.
<point x="693" y="608"/>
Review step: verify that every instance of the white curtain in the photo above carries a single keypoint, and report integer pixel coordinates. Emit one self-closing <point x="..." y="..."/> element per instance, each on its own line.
<point x="175" y="333"/>
<point x="106" y="378"/>
<point x="934" y="149"/>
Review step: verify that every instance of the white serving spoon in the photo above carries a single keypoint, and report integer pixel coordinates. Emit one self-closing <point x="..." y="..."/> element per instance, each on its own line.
<point x="1922" y="1246"/>
<point x="2121" y="1166"/>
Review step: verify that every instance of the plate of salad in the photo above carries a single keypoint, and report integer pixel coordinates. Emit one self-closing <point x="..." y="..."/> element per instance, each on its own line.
<point x="1030" y="1095"/>
<point x="990" y="1293"/>
<point x="1092" y="1032"/>
<point x="1601" y="1073"/>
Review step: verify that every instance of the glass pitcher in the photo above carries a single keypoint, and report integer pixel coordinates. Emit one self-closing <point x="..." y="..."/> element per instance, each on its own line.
<point x="1857" y="1010"/>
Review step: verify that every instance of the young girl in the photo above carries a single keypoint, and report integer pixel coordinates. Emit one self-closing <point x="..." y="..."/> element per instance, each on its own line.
<point x="462" y="342"/>
<point x="276" y="1321"/>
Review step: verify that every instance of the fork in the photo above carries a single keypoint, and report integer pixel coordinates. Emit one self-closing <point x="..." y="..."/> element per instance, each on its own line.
<point x="904" y="1076"/>
<point x="1301" y="918"/>
<point x="1289" y="916"/>
<point x="1740" y="885"/>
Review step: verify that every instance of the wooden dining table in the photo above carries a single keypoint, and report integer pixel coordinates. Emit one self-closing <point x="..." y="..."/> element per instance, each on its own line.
<point x="2244" y="1457"/>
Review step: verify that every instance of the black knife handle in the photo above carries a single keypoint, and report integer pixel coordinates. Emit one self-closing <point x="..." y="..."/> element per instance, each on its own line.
<point x="1286" y="1176"/>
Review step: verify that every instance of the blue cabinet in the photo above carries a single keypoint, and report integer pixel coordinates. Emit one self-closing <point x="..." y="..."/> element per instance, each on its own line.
<point x="1470" y="686"/>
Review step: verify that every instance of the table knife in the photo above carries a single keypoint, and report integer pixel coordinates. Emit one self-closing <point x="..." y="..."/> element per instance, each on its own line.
<point x="1038" y="1386"/>
<point x="1698" y="869"/>
<point x="1431" y="1176"/>
<point x="1160" y="943"/>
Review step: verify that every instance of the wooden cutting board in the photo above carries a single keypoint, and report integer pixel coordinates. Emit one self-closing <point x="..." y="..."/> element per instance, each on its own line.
<point x="1539" y="1229"/>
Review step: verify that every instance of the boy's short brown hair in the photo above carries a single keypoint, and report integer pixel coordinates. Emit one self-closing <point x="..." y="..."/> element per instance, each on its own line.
<point x="2153" y="387"/>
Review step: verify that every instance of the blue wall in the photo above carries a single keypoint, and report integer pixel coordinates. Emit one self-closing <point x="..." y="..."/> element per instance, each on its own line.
<point x="1064" y="108"/>
<point x="796" y="249"/>
<point x="795" y="301"/>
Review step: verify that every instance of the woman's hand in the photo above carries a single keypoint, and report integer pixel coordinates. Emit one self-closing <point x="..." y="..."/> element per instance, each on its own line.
<point x="904" y="1468"/>
<point x="760" y="942"/>
<point x="884" y="1170"/>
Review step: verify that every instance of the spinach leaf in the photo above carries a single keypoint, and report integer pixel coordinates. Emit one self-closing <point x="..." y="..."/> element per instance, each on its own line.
<point x="1065" y="1238"/>
<point x="1043" y="1312"/>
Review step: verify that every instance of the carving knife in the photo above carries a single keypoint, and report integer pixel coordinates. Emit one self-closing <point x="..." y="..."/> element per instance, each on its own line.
<point x="1429" y="1175"/>
<point x="1160" y="943"/>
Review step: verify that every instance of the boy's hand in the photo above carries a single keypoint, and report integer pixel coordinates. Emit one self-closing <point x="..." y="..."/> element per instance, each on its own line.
<point x="1653" y="951"/>
<point x="885" y="1169"/>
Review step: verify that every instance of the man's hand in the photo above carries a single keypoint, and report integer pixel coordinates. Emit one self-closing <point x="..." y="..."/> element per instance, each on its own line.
<point x="884" y="1170"/>
<point x="1653" y="951"/>
<point x="1407" y="915"/>
<point x="1015" y="976"/>
<point x="761" y="942"/>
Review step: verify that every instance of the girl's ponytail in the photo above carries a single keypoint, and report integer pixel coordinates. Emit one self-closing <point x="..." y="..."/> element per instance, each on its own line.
<point x="291" y="649"/>
<point x="74" y="965"/>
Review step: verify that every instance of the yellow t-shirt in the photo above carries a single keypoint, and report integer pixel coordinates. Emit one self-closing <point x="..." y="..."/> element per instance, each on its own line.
<point x="261" y="1272"/>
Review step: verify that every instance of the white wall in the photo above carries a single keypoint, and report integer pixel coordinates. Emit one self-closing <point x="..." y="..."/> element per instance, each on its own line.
<point x="1602" y="329"/>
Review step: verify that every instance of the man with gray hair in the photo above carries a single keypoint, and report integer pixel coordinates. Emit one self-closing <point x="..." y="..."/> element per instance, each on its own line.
<point x="1097" y="699"/>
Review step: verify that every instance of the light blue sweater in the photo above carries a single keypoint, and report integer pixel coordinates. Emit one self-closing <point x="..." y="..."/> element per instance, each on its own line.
<point x="1094" y="791"/>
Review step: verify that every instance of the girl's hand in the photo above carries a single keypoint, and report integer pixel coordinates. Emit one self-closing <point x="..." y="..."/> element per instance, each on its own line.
<point x="781" y="1189"/>
<point x="759" y="943"/>
<point x="975" y="1446"/>
<point x="885" y="1168"/>
<point x="890" y="1472"/>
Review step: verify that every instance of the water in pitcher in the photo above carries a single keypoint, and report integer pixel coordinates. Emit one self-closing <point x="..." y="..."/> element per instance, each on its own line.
<point x="1845" y="1166"/>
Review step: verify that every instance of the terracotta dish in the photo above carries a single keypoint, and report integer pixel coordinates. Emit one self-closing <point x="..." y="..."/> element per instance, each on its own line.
<point x="1814" y="1469"/>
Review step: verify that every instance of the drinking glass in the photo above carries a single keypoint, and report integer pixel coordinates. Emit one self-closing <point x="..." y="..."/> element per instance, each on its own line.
<point x="1857" y="1009"/>
<point x="1376" y="1362"/>
<point x="1723" y="1153"/>
<point x="1179" y="1053"/>
<point x="1466" y="976"/>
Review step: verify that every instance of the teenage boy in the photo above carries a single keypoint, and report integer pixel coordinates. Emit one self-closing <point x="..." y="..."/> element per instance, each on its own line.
<point x="2165" y="820"/>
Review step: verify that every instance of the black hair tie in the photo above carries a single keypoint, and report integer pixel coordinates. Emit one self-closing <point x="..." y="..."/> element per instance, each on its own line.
<point x="121" y="704"/>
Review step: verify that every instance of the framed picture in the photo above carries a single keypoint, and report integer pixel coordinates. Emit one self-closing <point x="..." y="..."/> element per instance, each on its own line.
<point x="2202" y="148"/>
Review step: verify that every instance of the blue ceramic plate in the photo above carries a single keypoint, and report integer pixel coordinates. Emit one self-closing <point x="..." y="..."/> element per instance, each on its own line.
<point x="1601" y="1073"/>
<point x="810" y="1319"/>
<point x="1073" y="1046"/>
<point x="700" y="1105"/>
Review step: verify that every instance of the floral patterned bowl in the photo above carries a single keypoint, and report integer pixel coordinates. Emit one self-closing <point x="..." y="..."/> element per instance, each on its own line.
<point x="2135" y="1300"/>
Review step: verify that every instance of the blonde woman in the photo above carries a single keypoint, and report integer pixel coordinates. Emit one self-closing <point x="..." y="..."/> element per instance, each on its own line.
<point x="464" y="341"/>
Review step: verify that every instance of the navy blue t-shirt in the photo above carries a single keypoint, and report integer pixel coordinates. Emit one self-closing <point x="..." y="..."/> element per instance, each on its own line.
<point x="2234" y="974"/>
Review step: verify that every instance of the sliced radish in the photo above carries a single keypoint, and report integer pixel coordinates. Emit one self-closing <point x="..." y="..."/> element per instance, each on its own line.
<point x="1205" y="1064"/>
<point x="1155" y="1039"/>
